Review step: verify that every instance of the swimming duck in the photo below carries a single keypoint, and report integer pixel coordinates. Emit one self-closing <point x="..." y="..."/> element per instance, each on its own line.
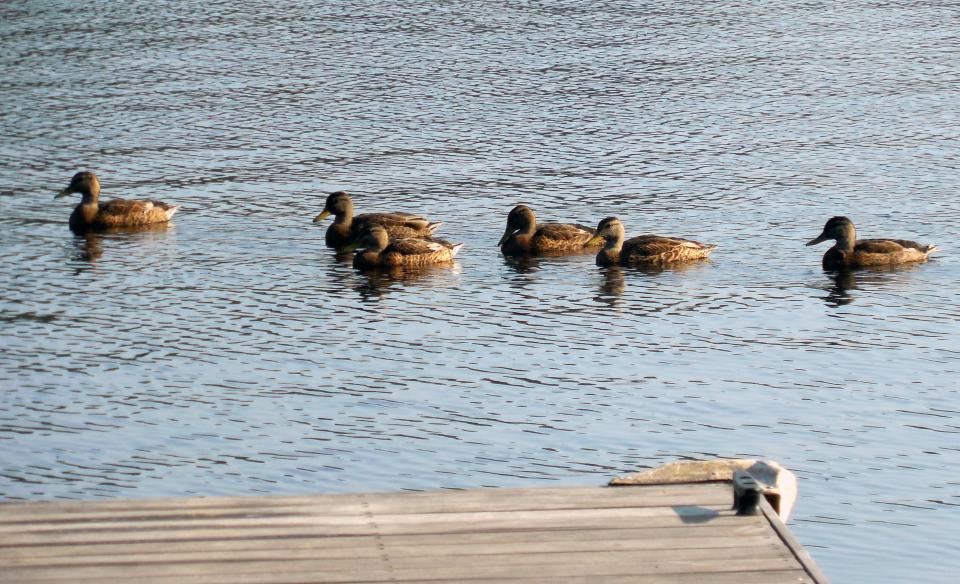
<point x="644" y="249"/>
<point x="378" y="249"/>
<point x="524" y="237"/>
<point x="849" y="252"/>
<point x="346" y="227"/>
<point x="90" y="214"/>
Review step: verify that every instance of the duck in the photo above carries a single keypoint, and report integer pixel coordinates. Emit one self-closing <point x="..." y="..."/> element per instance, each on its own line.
<point x="644" y="249"/>
<point x="378" y="249"/>
<point x="524" y="237"/>
<point x="849" y="252"/>
<point x="91" y="214"/>
<point x="346" y="227"/>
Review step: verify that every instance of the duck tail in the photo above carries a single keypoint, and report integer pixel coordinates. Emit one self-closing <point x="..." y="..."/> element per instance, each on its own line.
<point x="432" y="227"/>
<point x="456" y="248"/>
<point x="171" y="210"/>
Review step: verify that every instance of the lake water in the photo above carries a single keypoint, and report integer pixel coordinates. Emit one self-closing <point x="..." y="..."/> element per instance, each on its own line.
<point x="232" y="353"/>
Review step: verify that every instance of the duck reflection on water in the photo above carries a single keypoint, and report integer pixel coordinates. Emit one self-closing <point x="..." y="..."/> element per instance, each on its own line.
<point x="88" y="246"/>
<point x="843" y="281"/>
<point x="523" y="264"/>
<point x="613" y="281"/>
<point x="612" y="286"/>
<point x="376" y="283"/>
<point x="866" y="279"/>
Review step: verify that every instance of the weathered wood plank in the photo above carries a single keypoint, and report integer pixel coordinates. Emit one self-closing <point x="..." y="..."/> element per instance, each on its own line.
<point x="380" y="524"/>
<point x="762" y="545"/>
<point x="749" y="577"/>
<point x="420" y="569"/>
<point x="704" y="536"/>
<point x="406" y="497"/>
<point x="342" y="547"/>
<point x="763" y="577"/>
<point x="353" y="504"/>
<point x="369" y="519"/>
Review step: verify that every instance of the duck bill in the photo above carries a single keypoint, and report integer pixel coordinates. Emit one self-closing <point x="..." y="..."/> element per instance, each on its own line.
<point x="351" y="247"/>
<point x="65" y="192"/>
<point x="594" y="240"/>
<point x="506" y="236"/>
<point x="321" y="216"/>
<point x="820" y="239"/>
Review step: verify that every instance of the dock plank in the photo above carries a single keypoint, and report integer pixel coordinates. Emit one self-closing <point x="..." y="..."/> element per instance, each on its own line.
<point x="675" y="533"/>
<point x="353" y="504"/>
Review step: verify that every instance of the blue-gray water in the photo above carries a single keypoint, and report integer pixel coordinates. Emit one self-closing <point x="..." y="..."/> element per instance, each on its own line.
<point x="231" y="353"/>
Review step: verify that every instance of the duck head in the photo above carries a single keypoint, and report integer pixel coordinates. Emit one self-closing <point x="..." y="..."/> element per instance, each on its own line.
<point x="840" y="229"/>
<point x="611" y="231"/>
<point x="520" y="220"/>
<point x="85" y="183"/>
<point x="338" y="204"/>
<point x="373" y="239"/>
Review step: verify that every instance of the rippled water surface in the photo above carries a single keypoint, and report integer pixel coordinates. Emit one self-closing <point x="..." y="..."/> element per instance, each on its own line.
<point x="232" y="353"/>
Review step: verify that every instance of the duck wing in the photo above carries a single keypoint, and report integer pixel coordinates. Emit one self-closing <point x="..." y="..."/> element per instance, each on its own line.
<point x="415" y="251"/>
<point x="389" y="219"/>
<point x="134" y="212"/>
<point x="889" y="246"/>
<point x="418" y="246"/>
<point x="664" y="249"/>
<point x="564" y="231"/>
<point x="561" y="236"/>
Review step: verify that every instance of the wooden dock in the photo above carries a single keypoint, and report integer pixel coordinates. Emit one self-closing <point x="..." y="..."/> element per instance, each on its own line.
<point x="665" y="534"/>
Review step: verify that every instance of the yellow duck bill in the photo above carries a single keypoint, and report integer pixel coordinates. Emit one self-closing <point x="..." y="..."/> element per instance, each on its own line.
<point x="594" y="240"/>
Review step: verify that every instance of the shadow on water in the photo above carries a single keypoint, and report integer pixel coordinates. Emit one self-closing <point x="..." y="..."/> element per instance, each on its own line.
<point x="523" y="264"/>
<point x="533" y="263"/>
<point x="340" y="274"/>
<point x="614" y="278"/>
<point x="874" y="277"/>
<point x="612" y="285"/>
<point x="88" y="246"/>
<point x="672" y="268"/>
<point x="374" y="284"/>
<point x="839" y="293"/>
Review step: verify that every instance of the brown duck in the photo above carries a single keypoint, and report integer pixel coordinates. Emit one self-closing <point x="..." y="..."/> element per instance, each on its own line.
<point x="377" y="249"/>
<point x="524" y="237"/>
<point x="644" y="249"/>
<point x="91" y="214"/>
<point x="849" y="252"/>
<point x="346" y="227"/>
